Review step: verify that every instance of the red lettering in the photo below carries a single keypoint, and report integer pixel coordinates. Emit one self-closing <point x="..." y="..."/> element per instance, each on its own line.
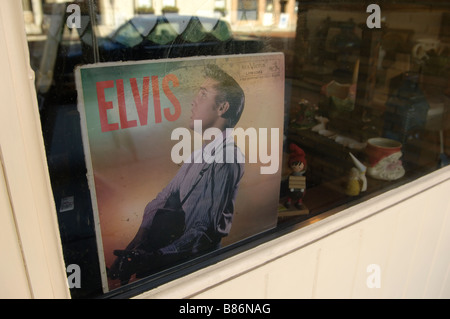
<point x="156" y="99"/>
<point x="104" y="106"/>
<point x="141" y="105"/>
<point x="141" y="99"/>
<point x="124" y="123"/>
<point x="172" y="98"/>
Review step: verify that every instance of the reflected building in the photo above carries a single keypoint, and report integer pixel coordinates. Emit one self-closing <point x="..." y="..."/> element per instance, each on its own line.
<point x="243" y="15"/>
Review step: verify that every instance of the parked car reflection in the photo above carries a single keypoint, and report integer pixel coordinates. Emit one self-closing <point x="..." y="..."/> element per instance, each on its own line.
<point x="156" y="37"/>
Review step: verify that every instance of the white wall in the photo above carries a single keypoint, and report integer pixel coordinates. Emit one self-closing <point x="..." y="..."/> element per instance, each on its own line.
<point x="406" y="231"/>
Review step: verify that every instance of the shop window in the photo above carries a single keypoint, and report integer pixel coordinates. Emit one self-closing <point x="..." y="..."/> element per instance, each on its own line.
<point x="220" y="7"/>
<point x="268" y="14"/>
<point x="361" y="110"/>
<point x="169" y="3"/>
<point x="144" y="7"/>
<point x="145" y="3"/>
<point x="283" y="4"/>
<point x="269" y="5"/>
<point x="220" y="4"/>
<point x="248" y="10"/>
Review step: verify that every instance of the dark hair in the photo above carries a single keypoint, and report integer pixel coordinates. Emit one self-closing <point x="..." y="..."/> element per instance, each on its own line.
<point x="230" y="91"/>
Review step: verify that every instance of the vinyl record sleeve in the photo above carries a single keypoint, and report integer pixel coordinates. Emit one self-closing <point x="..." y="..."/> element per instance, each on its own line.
<point x="129" y="111"/>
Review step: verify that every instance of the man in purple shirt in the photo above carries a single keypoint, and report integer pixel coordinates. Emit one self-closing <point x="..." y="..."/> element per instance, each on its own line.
<point x="207" y="187"/>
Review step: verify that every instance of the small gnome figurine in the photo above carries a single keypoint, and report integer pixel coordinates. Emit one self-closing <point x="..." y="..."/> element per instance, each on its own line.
<point x="297" y="163"/>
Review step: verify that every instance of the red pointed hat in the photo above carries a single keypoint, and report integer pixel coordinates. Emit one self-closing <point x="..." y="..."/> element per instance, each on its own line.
<point x="296" y="154"/>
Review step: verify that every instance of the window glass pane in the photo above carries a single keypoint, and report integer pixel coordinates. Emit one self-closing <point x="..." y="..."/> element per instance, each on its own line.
<point x="144" y="3"/>
<point x="269" y="5"/>
<point x="365" y="107"/>
<point x="220" y="3"/>
<point x="169" y="3"/>
<point x="248" y="10"/>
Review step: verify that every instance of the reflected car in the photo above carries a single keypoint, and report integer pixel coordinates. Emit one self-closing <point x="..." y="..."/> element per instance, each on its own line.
<point x="156" y="37"/>
<point x="147" y="37"/>
<point x="176" y="36"/>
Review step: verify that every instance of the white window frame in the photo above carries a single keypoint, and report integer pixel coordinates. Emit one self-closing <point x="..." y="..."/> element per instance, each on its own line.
<point x="26" y="179"/>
